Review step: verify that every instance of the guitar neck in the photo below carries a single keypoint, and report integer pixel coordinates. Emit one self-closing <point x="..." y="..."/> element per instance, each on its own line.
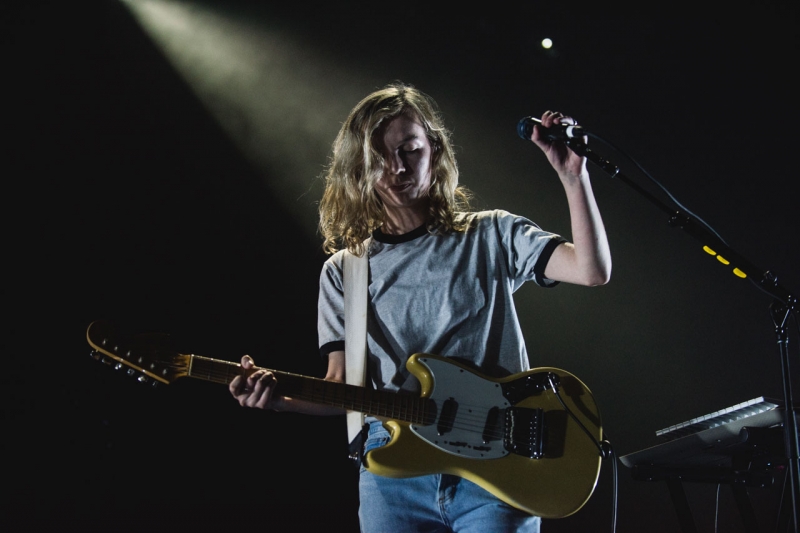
<point x="396" y="405"/>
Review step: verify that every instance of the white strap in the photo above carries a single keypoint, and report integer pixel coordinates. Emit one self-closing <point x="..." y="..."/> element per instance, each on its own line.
<point x="355" y="330"/>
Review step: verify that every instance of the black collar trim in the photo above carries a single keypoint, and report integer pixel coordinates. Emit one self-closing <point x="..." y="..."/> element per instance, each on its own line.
<point x="380" y="236"/>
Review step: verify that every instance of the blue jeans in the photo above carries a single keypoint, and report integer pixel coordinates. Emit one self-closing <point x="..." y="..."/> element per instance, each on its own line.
<point x="438" y="503"/>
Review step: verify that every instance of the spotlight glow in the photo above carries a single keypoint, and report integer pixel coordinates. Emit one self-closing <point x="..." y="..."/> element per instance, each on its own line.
<point x="547" y="44"/>
<point x="261" y="83"/>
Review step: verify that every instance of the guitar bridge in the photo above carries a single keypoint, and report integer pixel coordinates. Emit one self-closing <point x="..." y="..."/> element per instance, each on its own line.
<point x="524" y="432"/>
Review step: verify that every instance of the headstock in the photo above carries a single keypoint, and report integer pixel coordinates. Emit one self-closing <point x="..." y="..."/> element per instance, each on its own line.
<point x="145" y="354"/>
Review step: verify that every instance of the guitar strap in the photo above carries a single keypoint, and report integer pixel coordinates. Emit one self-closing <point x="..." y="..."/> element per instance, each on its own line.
<point x="355" y="330"/>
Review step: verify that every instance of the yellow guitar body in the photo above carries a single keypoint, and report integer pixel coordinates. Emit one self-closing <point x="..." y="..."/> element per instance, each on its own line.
<point x="511" y="436"/>
<point x="554" y="485"/>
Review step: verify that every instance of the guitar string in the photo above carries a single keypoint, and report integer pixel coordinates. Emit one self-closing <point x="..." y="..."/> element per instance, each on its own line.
<point x="406" y="409"/>
<point x="410" y="409"/>
<point x="398" y="410"/>
<point x="474" y="421"/>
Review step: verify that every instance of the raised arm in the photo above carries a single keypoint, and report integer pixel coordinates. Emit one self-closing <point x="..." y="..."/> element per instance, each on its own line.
<point x="586" y="260"/>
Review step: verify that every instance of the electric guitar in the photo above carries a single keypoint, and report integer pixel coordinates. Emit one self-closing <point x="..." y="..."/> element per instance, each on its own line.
<point x="532" y="439"/>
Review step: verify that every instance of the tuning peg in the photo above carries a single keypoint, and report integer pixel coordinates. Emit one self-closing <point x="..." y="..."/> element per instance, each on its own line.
<point x="143" y="379"/>
<point x="118" y="366"/>
<point x="131" y="371"/>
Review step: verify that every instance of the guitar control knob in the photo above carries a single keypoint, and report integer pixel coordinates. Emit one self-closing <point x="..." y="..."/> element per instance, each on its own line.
<point x="143" y="379"/>
<point x="118" y="366"/>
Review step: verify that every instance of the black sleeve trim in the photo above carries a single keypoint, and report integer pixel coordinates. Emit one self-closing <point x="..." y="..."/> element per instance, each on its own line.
<point x="541" y="263"/>
<point x="335" y="346"/>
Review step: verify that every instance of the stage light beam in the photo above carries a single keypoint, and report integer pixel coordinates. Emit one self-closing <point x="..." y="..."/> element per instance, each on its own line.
<point x="262" y="84"/>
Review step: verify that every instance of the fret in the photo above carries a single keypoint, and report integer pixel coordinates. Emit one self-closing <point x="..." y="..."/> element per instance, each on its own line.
<point x="356" y="397"/>
<point x="214" y="370"/>
<point x="399" y="413"/>
<point x="311" y="390"/>
<point x="349" y="397"/>
<point x="399" y="406"/>
<point x="404" y="412"/>
<point x="166" y="366"/>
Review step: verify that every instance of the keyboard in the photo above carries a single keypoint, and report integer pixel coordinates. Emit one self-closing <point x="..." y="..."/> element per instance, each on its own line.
<point x="718" y="418"/>
<point x="709" y="440"/>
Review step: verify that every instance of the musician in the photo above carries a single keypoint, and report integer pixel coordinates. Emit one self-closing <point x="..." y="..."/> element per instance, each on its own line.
<point x="441" y="279"/>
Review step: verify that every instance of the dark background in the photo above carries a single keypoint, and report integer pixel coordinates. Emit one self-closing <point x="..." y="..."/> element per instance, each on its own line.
<point x="133" y="193"/>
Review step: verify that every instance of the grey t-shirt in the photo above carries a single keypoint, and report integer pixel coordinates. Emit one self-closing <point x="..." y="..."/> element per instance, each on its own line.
<point x="449" y="295"/>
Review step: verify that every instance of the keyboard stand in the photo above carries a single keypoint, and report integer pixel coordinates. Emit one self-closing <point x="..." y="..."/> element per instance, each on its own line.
<point x="748" y="460"/>
<point x="737" y="481"/>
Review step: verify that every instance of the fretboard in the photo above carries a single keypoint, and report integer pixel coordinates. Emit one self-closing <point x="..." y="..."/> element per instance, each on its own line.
<point x="403" y="406"/>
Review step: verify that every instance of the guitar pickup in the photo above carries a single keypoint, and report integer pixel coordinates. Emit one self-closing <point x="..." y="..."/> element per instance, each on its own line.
<point x="446" y="420"/>
<point x="524" y="432"/>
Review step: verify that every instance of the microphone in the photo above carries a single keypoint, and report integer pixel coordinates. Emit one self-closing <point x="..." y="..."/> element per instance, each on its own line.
<point x="556" y="132"/>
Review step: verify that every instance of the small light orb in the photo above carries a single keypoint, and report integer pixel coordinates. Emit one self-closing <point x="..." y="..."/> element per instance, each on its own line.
<point x="547" y="43"/>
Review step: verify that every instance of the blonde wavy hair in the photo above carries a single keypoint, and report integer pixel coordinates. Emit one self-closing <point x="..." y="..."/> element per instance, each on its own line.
<point x="350" y="209"/>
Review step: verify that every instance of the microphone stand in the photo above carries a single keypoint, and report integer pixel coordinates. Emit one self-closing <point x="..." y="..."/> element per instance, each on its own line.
<point x="780" y="308"/>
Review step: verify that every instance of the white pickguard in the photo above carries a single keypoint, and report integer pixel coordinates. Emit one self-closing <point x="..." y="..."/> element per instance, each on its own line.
<point x="475" y="396"/>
